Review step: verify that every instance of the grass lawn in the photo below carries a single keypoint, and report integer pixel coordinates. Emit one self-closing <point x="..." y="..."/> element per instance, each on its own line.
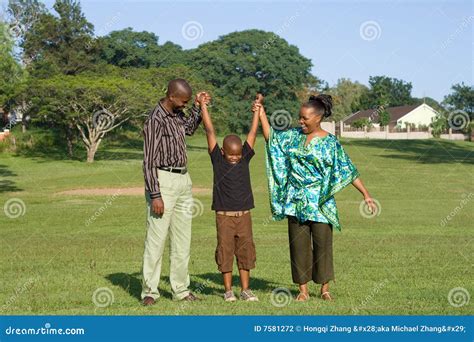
<point x="404" y="261"/>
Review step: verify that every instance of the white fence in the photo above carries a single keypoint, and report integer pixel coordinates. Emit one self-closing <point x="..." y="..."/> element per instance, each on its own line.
<point x="385" y="133"/>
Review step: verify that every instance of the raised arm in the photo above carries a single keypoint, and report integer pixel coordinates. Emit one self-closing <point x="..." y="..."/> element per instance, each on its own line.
<point x="192" y="121"/>
<point x="252" y="135"/>
<point x="258" y="104"/>
<point x="208" y="126"/>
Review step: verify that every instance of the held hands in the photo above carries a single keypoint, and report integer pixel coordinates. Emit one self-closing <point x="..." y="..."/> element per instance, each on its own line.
<point x="257" y="104"/>
<point x="202" y="99"/>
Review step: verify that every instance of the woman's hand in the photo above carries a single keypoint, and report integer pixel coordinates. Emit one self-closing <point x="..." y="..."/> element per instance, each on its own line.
<point x="371" y="204"/>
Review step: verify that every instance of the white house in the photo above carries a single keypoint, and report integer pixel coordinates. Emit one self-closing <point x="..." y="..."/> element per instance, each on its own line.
<point x="414" y="114"/>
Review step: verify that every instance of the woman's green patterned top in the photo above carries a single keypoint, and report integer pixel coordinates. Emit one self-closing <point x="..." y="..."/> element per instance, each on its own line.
<point x="303" y="179"/>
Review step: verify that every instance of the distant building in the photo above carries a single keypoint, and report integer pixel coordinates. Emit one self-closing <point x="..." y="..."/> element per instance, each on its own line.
<point x="414" y="114"/>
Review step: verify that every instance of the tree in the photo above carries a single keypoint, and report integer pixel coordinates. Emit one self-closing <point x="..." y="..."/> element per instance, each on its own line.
<point x="23" y="14"/>
<point x="361" y="123"/>
<point x="127" y="48"/>
<point x="383" y="117"/>
<point x="346" y="97"/>
<point x="387" y="92"/>
<point x="460" y="103"/>
<point x="90" y="105"/>
<point x="461" y="98"/>
<point x="11" y="72"/>
<point x="60" y="44"/>
<point x="241" y="64"/>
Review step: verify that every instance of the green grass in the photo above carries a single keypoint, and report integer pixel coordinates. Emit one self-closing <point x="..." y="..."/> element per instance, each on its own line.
<point x="404" y="261"/>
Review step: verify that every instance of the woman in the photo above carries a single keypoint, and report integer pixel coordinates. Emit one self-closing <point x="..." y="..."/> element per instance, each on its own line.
<point x="306" y="166"/>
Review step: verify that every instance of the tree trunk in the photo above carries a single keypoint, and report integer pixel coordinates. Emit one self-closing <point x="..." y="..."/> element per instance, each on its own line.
<point x="69" y="140"/>
<point x="24" y="122"/>
<point x="91" y="150"/>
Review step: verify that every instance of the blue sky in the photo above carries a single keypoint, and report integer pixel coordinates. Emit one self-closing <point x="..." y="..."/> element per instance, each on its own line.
<point x="428" y="43"/>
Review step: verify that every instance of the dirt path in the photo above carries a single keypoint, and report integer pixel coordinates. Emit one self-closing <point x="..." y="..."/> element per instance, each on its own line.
<point x="138" y="191"/>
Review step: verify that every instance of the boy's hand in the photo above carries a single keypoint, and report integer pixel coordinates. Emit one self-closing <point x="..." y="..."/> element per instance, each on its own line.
<point x="202" y="98"/>
<point x="256" y="107"/>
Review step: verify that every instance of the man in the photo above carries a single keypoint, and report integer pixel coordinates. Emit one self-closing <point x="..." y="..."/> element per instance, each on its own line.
<point x="168" y="190"/>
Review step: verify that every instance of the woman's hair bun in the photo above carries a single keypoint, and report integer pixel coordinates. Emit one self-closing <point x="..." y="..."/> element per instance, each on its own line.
<point x="322" y="102"/>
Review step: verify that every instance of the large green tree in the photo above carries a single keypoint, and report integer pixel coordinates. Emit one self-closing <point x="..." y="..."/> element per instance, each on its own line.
<point x="461" y="98"/>
<point x="61" y="43"/>
<point x="11" y="72"/>
<point x="127" y="48"/>
<point x="346" y="97"/>
<point x="90" y="106"/>
<point x="22" y="15"/>
<point x="460" y="103"/>
<point x="241" y="64"/>
<point x="387" y="92"/>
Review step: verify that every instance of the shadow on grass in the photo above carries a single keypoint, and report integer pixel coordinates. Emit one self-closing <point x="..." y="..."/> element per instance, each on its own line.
<point x="132" y="284"/>
<point x="431" y="151"/>
<point x="196" y="148"/>
<point x="216" y="278"/>
<point x="7" y="185"/>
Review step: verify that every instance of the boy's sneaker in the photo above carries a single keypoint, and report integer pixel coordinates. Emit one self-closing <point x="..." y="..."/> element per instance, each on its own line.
<point x="248" y="296"/>
<point x="229" y="296"/>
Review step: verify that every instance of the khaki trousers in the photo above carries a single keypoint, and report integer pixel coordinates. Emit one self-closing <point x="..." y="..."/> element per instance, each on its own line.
<point x="176" y="220"/>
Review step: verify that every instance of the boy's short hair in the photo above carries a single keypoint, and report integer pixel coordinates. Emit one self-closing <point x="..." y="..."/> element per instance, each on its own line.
<point x="231" y="139"/>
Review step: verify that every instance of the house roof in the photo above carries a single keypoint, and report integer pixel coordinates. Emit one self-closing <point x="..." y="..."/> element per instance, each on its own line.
<point x="394" y="112"/>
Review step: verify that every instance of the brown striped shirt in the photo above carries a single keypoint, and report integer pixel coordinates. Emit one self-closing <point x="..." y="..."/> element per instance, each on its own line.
<point x="164" y="144"/>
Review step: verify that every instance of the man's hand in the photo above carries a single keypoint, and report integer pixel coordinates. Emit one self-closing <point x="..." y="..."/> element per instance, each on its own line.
<point x="257" y="104"/>
<point x="157" y="206"/>
<point x="202" y="99"/>
<point x="256" y="107"/>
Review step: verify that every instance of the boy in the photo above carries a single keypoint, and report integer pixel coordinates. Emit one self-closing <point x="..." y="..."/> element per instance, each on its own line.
<point x="232" y="201"/>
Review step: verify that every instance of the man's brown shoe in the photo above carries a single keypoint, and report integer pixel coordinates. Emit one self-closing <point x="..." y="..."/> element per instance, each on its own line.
<point x="148" y="301"/>
<point x="190" y="297"/>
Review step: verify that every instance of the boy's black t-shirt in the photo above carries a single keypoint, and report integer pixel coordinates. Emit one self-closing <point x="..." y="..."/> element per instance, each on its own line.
<point x="232" y="189"/>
